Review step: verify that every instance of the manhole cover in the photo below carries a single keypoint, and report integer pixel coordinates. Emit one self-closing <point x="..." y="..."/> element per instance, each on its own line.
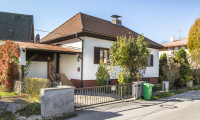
<point x="169" y="106"/>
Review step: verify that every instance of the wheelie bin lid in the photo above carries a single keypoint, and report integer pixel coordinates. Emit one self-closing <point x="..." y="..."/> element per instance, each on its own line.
<point x="148" y="84"/>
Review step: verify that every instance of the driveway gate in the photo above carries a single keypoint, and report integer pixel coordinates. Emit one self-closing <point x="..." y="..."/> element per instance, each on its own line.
<point x="101" y="94"/>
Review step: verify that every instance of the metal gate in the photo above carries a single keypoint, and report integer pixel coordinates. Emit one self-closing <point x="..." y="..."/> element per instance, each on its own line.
<point x="101" y="94"/>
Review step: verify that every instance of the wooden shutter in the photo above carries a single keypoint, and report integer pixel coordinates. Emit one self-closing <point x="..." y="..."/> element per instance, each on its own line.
<point x="151" y="59"/>
<point x="96" y="55"/>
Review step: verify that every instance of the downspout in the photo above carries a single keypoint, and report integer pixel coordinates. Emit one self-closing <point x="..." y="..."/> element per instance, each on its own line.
<point x="81" y="59"/>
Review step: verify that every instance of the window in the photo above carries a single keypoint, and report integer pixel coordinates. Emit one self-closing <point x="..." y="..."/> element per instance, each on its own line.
<point x="150" y="61"/>
<point x="101" y="55"/>
<point x="176" y="48"/>
<point x="184" y="47"/>
<point x="169" y="48"/>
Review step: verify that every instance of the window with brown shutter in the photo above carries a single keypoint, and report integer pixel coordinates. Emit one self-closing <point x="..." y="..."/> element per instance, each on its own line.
<point x="151" y="60"/>
<point x="101" y="55"/>
<point x="96" y="55"/>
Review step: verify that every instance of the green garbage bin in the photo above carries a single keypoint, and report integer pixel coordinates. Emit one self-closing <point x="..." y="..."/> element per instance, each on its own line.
<point x="147" y="91"/>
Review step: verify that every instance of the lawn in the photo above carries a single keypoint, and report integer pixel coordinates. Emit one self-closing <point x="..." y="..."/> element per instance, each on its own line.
<point x="8" y="94"/>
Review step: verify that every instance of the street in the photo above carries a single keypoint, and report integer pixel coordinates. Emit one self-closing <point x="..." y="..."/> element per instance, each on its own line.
<point x="184" y="106"/>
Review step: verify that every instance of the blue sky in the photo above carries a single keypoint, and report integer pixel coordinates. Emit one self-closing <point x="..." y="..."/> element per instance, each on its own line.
<point x="156" y="19"/>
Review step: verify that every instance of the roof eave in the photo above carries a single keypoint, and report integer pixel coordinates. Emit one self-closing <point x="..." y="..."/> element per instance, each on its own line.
<point x="89" y="34"/>
<point x="55" y="51"/>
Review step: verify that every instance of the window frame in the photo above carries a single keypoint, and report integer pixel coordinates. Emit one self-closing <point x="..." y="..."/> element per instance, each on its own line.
<point x="150" y="60"/>
<point x="97" y="55"/>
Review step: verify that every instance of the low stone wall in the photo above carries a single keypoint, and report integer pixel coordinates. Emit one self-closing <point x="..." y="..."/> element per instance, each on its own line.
<point x="18" y="86"/>
<point x="57" y="101"/>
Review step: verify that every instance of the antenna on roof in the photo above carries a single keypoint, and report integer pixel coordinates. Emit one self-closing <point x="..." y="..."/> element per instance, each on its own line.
<point x="179" y="36"/>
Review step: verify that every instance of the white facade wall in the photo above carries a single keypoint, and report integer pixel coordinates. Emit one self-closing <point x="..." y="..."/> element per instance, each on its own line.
<point x="38" y="69"/>
<point x="90" y="68"/>
<point x="168" y="53"/>
<point x="69" y="66"/>
<point x="154" y="70"/>
<point x="69" y="63"/>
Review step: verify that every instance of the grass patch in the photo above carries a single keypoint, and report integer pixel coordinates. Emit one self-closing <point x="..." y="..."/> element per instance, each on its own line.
<point x="7" y="115"/>
<point x="171" y="93"/>
<point x="8" y="94"/>
<point x="30" y="109"/>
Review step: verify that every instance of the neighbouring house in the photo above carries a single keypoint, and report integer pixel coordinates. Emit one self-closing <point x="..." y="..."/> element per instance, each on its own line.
<point x="42" y="57"/>
<point x="16" y="27"/>
<point x="92" y="37"/>
<point x="174" y="46"/>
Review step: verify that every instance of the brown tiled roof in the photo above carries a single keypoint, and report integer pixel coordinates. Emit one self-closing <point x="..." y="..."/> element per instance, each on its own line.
<point x="91" y="24"/>
<point x="44" y="47"/>
<point x="180" y="42"/>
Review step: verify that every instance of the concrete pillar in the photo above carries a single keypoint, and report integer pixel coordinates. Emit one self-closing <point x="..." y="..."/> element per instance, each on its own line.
<point x="57" y="101"/>
<point x="138" y="89"/>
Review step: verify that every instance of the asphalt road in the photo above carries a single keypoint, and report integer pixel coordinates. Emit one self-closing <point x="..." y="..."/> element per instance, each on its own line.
<point x="184" y="106"/>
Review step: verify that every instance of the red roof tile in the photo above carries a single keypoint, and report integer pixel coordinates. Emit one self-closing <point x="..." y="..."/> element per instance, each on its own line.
<point x="87" y="23"/>
<point x="44" y="47"/>
<point x="180" y="42"/>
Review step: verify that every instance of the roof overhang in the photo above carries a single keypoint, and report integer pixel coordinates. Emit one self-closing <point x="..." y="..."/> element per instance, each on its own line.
<point x="47" y="48"/>
<point x="89" y="34"/>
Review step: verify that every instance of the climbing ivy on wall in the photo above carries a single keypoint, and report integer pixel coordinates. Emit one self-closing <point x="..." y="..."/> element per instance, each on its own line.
<point x="9" y="54"/>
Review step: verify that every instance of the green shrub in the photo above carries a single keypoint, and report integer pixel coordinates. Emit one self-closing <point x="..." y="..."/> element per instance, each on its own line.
<point x="102" y="74"/>
<point x="34" y="85"/>
<point x="30" y="109"/>
<point x="184" y="69"/>
<point x="162" y="62"/>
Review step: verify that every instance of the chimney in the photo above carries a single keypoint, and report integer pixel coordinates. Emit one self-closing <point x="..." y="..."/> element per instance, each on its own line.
<point x="115" y="20"/>
<point x="171" y="38"/>
<point x="37" y="39"/>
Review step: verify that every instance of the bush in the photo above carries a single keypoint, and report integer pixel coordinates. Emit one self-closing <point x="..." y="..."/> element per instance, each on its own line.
<point x="33" y="86"/>
<point x="102" y="74"/>
<point x="30" y="109"/>
<point x="184" y="69"/>
<point x="171" y="71"/>
<point x="162" y="63"/>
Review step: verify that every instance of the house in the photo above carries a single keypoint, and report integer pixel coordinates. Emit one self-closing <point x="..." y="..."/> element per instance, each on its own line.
<point x="92" y="37"/>
<point x="41" y="57"/>
<point x="174" y="45"/>
<point x="16" y="27"/>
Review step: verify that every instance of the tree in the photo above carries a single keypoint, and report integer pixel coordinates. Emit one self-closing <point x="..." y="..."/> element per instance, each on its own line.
<point x="184" y="69"/>
<point x="162" y="62"/>
<point x="131" y="55"/>
<point x="194" y="39"/>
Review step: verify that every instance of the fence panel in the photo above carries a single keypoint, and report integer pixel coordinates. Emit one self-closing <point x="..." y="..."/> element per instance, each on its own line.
<point x="101" y="94"/>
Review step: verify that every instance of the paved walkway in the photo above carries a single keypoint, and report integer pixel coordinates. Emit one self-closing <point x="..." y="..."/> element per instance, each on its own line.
<point x="179" y="107"/>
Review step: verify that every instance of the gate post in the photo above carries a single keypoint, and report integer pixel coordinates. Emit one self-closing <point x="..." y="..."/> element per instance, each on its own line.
<point x="133" y="90"/>
<point x="121" y="92"/>
<point x="57" y="101"/>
